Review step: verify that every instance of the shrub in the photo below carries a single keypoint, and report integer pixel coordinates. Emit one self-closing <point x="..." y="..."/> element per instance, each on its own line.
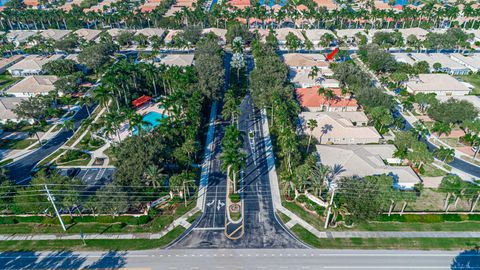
<point x="235" y="197"/>
<point x="8" y="220"/>
<point x="143" y="220"/>
<point x="302" y="199"/>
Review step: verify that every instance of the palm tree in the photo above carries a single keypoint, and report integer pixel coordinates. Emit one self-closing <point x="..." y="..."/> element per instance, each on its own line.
<point x="154" y="176"/>
<point x="311" y="125"/>
<point x="441" y="128"/>
<point x="68" y="125"/>
<point x="102" y="95"/>
<point x="86" y="101"/>
<point x="445" y="154"/>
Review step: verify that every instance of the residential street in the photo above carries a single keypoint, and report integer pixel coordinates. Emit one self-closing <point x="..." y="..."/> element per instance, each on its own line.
<point x="244" y="259"/>
<point x="20" y="170"/>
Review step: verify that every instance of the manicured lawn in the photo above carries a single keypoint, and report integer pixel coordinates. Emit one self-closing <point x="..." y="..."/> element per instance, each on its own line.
<point x="385" y="243"/>
<point x="110" y="244"/>
<point x="78" y="162"/>
<point x="6" y="80"/>
<point x="194" y="217"/>
<point x="16" y="144"/>
<point x="51" y="157"/>
<point x="5" y="162"/>
<point x="406" y="226"/>
<point x="432" y="171"/>
<point x="284" y="218"/>
<point x="314" y="220"/>
<point x="473" y="79"/>
<point x="156" y="225"/>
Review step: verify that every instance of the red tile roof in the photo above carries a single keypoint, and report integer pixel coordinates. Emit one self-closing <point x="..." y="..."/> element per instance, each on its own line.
<point x="309" y="97"/>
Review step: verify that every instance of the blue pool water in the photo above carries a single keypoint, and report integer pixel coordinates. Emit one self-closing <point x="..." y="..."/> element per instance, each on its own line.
<point x="153" y="118"/>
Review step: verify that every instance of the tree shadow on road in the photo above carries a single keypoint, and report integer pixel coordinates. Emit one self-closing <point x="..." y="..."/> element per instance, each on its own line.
<point x="59" y="260"/>
<point x="467" y="259"/>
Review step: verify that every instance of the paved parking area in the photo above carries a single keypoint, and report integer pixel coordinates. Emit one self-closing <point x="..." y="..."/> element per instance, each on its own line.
<point x="90" y="177"/>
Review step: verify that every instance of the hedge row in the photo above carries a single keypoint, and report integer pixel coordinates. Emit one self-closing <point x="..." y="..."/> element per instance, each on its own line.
<point x="128" y="220"/>
<point x="429" y="218"/>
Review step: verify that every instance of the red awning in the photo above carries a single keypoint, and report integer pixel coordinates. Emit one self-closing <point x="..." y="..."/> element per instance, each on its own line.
<point x="141" y="100"/>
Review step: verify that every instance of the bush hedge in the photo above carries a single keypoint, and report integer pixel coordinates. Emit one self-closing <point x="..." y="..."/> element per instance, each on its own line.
<point x="127" y="220"/>
<point x="429" y="218"/>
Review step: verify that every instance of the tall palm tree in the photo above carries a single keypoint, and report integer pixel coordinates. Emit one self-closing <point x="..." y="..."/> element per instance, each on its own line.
<point x="154" y="176"/>
<point x="311" y="125"/>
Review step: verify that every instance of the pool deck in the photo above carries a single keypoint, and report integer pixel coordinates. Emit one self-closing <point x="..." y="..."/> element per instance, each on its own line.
<point x="151" y="107"/>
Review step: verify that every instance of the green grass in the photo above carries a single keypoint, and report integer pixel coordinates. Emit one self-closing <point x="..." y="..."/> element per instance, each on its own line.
<point x="6" y="161"/>
<point x="473" y="79"/>
<point x="414" y="226"/>
<point x="156" y="225"/>
<point x="7" y="80"/>
<point x="16" y="144"/>
<point x="51" y="157"/>
<point x="284" y="218"/>
<point x="78" y="162"/>
<point x="432" y="171"/>
<point x="314" y="220"/>
<point x="108" y="244"/>
<point x="194" y="217"/>
<point x="385" y="243"/>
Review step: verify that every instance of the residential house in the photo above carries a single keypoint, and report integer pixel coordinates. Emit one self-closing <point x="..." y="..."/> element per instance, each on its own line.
<point x="470" y="61"/>
<point x="32" y="65"/>
<point x="300" y="66"/>
<point x="282" y="33"/>
<point x="240" y="4"/>
<point x="475" y="100"/>
<point x="179" y="60"/>
<point x="315" y="36"/>
<point x="171" y="35"/>
<point x="350" y="35"/>
<point x="303" y="79"/>
<point x="18" y="37"/>
<point x="440" y="84"/>
<point x="55" y="34"/>
<point x="404" y="58"/>
<point x="88" y="34"/>
<point x="366" y="160"/>
<point x="328" y="4"/>
<point x="115" y="32"/>
<point x="9" y="61"/>
<point x="311" y="100"/>
<point x="448" y="65"/>
<point x="33" y="86"/>
<point x="220" y="33"/>
<point x="7" y="105"/>
<point x="151" y="32"/>
<point x="333" y="128"/>
<point x="418" y="32"/>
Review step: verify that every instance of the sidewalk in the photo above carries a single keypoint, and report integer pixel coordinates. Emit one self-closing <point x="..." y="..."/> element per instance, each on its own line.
<point x="181" y="221"/>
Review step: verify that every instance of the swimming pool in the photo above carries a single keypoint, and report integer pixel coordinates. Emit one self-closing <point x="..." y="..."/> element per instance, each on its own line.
<point x="153" y="118"/>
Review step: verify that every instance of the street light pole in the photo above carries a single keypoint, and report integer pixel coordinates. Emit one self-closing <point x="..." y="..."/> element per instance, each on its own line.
<point x="52" y="200"/>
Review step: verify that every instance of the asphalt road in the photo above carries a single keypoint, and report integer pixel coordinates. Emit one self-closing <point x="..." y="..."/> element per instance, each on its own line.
<point x="20" y="170"/>
<point x="261" y="228"/>
<point x="243" y="259"/>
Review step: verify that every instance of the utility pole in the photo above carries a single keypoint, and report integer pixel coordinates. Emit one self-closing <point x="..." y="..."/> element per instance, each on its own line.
<point x="52" y="199"/>
<point x="329" y="208"/>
